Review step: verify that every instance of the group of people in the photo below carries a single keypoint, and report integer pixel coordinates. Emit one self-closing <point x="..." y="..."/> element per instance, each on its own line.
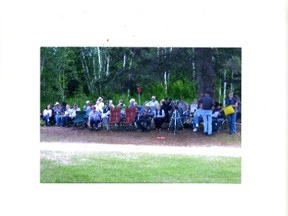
<point x="203" y="110"/>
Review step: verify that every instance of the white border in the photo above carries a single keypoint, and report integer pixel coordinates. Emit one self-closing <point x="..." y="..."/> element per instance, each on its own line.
<point x="259" y="27"/>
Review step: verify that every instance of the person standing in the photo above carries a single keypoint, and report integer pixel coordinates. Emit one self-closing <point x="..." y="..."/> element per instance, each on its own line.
<point x="231" y="118"/>
<point x="207" y="104"/>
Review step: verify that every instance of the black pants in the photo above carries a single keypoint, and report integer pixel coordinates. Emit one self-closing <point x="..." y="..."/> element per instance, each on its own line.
<point x="158" y="122"/>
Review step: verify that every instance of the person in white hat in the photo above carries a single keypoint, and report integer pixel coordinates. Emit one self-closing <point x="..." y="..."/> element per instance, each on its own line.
<point x="57" y="109"/>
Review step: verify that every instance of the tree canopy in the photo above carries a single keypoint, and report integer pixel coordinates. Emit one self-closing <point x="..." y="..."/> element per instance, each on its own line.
<point x="116" y="72"/>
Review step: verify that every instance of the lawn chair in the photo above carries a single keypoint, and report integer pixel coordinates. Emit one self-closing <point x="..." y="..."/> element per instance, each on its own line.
<point x="130" y="115"/>
<point x="80" y="119"/>
<point x="115" y="117"/>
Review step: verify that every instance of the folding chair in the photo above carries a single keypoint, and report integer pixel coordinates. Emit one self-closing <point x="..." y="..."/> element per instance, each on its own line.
<point x="80" y="119"/>
<point x="115" y="117"/>
<point x="130" y="115"/>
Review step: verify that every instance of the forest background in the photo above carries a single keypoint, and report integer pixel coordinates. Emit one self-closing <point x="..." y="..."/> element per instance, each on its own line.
<point x="77" y="74"/>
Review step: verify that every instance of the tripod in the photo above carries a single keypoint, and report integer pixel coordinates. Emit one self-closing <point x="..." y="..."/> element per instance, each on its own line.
<point x="175" y="121"/>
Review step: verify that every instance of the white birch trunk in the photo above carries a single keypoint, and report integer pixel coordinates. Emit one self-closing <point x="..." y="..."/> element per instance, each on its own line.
<point x="124" y="60"/>
<point x="108" y="65"/>
<point x="224" y="88"/>
<point x="231" y="85"/>
<point x="193" y="66"/>
<point x="94" y="65"/>
<point x="220" y="90"/>
<point x="165" y="82"/>
<point x="99" y="62"/>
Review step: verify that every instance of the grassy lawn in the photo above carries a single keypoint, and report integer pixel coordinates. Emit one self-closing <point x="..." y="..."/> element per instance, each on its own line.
<point x="139" y="168"/>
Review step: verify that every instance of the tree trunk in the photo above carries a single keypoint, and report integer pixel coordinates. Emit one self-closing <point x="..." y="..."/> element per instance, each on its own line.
<point x="108" y="65"/>
<point x="165" y="83"/>
<point x="124" y="60"/>
<point x="205" y="72"/>
<point x="224" y="87"/>
<point x="86" y="72"/>
<point x="100" y="70"/>
<point x="231" y="84"/>
<point x="220" y="90"/>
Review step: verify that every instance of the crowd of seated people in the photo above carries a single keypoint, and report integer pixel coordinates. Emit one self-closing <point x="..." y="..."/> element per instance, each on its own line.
<point x="152" y="113"/>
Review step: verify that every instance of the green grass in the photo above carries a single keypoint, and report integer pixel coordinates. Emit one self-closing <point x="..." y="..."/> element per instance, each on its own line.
<point x="141" y="168"/>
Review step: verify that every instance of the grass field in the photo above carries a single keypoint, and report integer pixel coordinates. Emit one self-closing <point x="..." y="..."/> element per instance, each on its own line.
<point x="115" y="167"/>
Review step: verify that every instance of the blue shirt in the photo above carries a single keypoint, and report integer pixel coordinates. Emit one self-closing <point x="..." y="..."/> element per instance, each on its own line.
<point x="207" y="102"/>
<point x="233" y="101"/>
<point x="148" y="113"/>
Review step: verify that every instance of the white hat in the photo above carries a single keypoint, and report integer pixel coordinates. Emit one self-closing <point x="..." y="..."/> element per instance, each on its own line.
<point x="87" y="102"/>
<point x="57" y="104"/>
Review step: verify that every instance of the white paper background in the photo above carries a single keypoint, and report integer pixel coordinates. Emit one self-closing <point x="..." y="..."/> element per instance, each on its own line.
<point x="259" y="27"/>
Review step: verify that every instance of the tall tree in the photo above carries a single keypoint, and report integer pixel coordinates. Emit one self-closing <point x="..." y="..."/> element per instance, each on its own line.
<point x="205" y="71"/>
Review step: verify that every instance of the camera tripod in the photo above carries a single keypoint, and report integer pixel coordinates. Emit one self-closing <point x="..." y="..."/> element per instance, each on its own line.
<point x="175" y="121"/>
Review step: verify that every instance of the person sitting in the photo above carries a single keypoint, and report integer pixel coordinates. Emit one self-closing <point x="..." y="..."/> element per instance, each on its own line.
<point x="159" y="117"/>
<point x="198" y="117"/>
<point x="106" y="115"/>
<point x="100" y="103"/>
<point x="94" y="118"/>
<point x="110" y="104"/>
<point x="193" y="106"/>
<point x="121" y="103"/>
<point x="87" y="108"/>
<point x="215" y="113"/>
<point x="153" y="103"/>
<point x="47" y="114"/>
<point x="166" y="106"/>
<point x="145" y="115"/>
<point x="57" y="112"/>
<point x="74" y="110"/>
<point x="98" y="107"/>
<point x="66" y="116"/>
<point x="221" y="115"/>
<point x="184" y="109"/>
<point x="132" y="103"/>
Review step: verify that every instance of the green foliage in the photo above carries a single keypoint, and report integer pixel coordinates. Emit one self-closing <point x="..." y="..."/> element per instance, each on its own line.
<point x="140" y="168"/>
<point x="182" y="89"/>
<point x="72" y="74"/>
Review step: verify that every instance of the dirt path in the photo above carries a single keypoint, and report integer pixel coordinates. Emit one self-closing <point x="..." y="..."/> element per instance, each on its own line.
<point x="178" y="150"/>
